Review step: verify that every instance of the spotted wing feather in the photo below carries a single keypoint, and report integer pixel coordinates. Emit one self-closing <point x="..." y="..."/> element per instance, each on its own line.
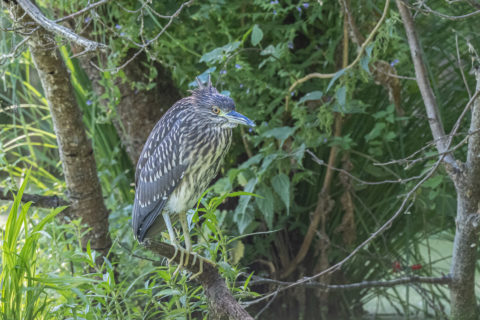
<point x="159" y="171"/>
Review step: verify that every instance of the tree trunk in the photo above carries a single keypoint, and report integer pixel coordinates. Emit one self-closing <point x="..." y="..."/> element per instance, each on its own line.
<point x="137" y="112"/>
<point x="464" y="257"/>
<point x="76" y="153"/>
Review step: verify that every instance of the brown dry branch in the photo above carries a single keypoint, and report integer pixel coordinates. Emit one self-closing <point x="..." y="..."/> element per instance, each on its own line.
<point x="382" y="72"/>
<point x="324" y="205"/>
<point x="76" y="153"/>
<point x="347" y="227"/>
<point x="48" y="202"/>
<point x="222" y="305"/>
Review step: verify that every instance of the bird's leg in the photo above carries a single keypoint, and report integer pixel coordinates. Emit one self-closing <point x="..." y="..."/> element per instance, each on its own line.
<point x="186" y="234"/>
<point x="172" y="236"/>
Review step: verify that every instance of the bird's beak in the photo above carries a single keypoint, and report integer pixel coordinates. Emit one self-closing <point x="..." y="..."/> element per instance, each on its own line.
<point x="235" y="117"/>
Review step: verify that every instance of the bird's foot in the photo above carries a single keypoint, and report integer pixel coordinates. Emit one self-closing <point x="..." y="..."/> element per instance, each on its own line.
<point x="169" y="261"/>
<point x="185" y="259"/>
<point x="201" y="260"/>
<point x="184" y="255"/>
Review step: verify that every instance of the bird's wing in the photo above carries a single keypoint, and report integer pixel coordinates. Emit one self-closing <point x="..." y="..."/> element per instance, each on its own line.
<point x="159" y="171"/>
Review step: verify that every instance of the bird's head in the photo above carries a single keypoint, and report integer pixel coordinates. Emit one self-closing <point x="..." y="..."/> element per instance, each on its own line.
<point x="217" y="109"/>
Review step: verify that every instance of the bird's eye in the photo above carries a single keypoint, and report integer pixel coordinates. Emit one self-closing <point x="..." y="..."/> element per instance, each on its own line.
<point x="215" y="109"/>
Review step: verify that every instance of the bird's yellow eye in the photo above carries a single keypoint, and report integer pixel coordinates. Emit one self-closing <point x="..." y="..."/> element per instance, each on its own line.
<point x="215" y="109"/>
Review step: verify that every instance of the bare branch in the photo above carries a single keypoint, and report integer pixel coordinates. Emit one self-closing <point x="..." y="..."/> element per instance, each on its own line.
<point x="423" y="8"/>
<point x="14" y="52"/>
<point x="423" y="82"/>
<point x="461" y="67"/>
<point x="322" y="163"/>
<point x="144" y="46"/>
<point x="55" y="28"/>
<point x="446" y="279"/>
<point x="48" y="202"/>
<point x="79" y="12"/>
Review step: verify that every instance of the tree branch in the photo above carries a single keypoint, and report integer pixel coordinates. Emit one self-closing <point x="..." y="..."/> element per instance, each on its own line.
<point x="426" y="9"/>
<point x="49" y="202"/>
<point x="79" y="12"/>
<point x="222" y="304"/>
<point x="446" y="279"/>
<point x="426" y="91"/>
<point x="60" y="30"/>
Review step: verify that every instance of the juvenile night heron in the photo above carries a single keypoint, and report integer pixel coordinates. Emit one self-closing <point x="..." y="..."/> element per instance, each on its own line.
<point x="180" y="158"/>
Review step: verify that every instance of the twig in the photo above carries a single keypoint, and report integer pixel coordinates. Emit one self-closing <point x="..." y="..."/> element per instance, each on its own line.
<point x="461" y="67"/>
<point x="322" y="163"/>
<point x="409" y="162"/>
<point x="269" y="303"/>
<point x="79" y="12"/>
<point x="144" y="46"/>
<point x="13" y="53"/>
<point x="426" y="9"/>
<point x="60" y="30"/>
<point x="446" y="279"/>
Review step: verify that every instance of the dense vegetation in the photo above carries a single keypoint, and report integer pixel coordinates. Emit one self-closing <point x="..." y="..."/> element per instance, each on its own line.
<point x="322" y="153"/>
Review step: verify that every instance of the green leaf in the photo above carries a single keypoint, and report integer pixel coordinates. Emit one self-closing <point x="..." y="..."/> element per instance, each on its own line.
<point x="281" y="185"/>
<point x="376" y="131"/>
<point x="257" y="35"/>
<point x="365" y="60"/>
<point x="244" y="217"/>
<point x="218" y="54"/>
<point x="271" y="50"/>
<point x="314" y="95"/>
<point x="335" y="77"/>
<point x="265" y="204"/>
<point x="281" y="133"/>
<point x="341" y="96"/>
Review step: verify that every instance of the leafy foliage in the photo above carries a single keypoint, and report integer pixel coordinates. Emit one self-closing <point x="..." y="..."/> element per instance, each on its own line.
<point x="254" y="52"/>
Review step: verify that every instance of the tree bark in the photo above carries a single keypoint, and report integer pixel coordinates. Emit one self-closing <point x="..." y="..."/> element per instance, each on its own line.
<point x="464" y="257"/>
<point x="137" y="112"/>
<point x="76" y="153"/>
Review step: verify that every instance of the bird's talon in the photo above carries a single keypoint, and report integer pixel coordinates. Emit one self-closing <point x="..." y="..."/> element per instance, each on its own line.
<point x="194" y="258"/>
<point x="180" y="265"/>
<point x="169" y="261"/>
<point x="199" y="271"/>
